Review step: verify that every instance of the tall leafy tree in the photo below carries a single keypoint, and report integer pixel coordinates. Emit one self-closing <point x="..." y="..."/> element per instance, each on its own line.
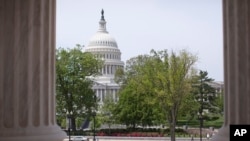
<point x="219" y="102"/>
<point x="205" y="95"/>
<point x="135" y="105"/>
<point x="73" y="86"/>
<point x="189" y="108"/>
<point x="172" y="79"/>
<point x="106" y="111"/>
<point x="156" y="84"/>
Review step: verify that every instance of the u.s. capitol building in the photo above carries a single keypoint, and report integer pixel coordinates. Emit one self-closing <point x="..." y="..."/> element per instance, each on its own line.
<point x="105" y="47"/>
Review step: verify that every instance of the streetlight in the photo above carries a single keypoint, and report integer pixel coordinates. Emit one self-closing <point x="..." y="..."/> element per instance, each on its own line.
<point x="200" y="117"/>
<point x="94" y="114"/>
<point x="69" y="114"/>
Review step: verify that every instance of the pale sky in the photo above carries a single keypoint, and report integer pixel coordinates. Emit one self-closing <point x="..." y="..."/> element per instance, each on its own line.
<point x="141" y="25"/>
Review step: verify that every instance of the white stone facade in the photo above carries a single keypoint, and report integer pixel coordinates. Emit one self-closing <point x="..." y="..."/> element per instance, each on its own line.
<point x="104" y="46"/>
<point x="218" y="86"/>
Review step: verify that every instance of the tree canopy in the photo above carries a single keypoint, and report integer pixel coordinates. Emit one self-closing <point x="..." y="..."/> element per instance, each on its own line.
<point x="154" y="87"/>
<point x="206" y="96"/>
<point x="73" y="86"/>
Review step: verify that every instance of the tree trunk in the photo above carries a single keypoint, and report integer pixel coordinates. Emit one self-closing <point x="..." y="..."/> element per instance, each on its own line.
<point x="134" y="125"/>
<point x="172" y="124"/>
<point x="109" y="129"/>
<point x="172" y="131"/>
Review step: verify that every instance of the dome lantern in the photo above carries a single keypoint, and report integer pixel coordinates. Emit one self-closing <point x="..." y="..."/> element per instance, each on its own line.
<point x="102" y="23"/>
<point x="102" y="38"/>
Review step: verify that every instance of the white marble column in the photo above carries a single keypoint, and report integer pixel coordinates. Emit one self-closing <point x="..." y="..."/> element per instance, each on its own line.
<point x="101" y="96"/>
<point x="236" y="18"/>
<point x="113" y="92"/>
<point x="105" y="92"/>
<point x="27" y="71"/>
<point x="97" y="94"/>
<point x="114" y="69"/>
<point x="111" y="69"/>
<point x="106" y="68"/>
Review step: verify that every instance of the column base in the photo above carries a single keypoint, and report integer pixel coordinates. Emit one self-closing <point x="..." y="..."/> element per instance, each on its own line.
<point x="50" y="134"/>
<point x="222" y="135"/>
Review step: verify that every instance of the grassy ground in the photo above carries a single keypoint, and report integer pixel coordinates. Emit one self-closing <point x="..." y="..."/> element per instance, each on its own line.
<point x="206" y="124"/>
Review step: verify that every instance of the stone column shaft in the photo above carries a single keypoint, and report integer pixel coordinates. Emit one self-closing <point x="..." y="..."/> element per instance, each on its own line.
<point x="109" y="67"/>
<point x="101" y="95"/>
<point x="106" y="68"/>
<point x="115" y="68"/>
<point x="113" y="92"/>
<point x="112" y="72"/>
<point x="27" y="71"/>
<point x="236" y="21"/>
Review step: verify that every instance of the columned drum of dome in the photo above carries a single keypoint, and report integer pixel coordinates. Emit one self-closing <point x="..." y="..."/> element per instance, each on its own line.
<point x="105" y="47"/>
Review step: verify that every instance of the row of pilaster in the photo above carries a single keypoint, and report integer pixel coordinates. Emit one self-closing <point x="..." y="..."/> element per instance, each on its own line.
<point x="102" y="93"/>
<point x="110" y="69"/>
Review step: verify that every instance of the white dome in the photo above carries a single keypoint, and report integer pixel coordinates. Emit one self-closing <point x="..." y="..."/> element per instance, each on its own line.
<point x="102" y="39"/>
<point x="104" y="47"/>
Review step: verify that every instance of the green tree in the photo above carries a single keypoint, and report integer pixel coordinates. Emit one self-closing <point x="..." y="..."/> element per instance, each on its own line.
<point x="135" y="105"/>
<point x="189" y="108"/>
<point x="205" y="95"/>
<point x="172" y="82"/>
<point x="107" y="111"/>
<point x="156" y="84"/>
<point x="219" y="102"/>
<point x="73" y="86"/>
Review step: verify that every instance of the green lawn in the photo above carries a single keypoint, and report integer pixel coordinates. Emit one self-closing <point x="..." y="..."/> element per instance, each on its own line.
<point x="196" y="123"/>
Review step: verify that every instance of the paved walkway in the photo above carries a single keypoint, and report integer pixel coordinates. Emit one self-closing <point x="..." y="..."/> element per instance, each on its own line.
<point x="103" y="138"/>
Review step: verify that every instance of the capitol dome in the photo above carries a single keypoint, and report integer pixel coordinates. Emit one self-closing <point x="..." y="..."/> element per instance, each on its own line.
<point x="102" y="39"/>
<point x="104" y="46"/>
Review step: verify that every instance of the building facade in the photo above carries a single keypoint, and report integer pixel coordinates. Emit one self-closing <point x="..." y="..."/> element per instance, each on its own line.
<point x="218" y="86"/>
<point x="103" y="46"/>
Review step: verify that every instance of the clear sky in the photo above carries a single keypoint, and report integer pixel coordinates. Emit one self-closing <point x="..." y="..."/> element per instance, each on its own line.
<point x="141" y="25"/>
